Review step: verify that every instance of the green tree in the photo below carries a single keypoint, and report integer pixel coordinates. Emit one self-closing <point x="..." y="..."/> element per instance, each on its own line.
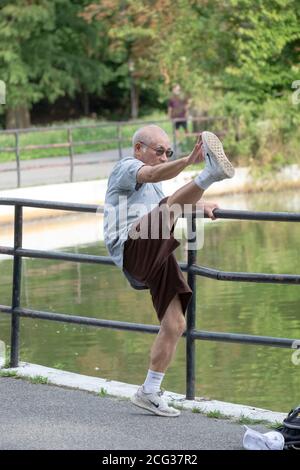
<point x="267" y="47"/>
<point x="47" y="51"/>
<point x="134" y="30"/>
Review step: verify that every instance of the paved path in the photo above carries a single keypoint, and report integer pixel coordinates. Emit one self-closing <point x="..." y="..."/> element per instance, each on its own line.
<point x="35" y="416"/>
<point x="39" y="171"/>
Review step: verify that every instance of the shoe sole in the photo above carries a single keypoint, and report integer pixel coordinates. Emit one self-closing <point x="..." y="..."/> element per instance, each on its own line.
<point x="215" y="147"/>
<point x="135" y="401"/>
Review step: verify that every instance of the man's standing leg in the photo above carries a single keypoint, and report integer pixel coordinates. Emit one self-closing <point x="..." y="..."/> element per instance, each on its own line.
<point x="172" y="327"/>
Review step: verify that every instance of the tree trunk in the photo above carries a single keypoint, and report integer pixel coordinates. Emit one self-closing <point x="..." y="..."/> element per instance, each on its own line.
<point x="85" y="103"/>
<point x="17" y="117"/>
<point x="134" y="98"/>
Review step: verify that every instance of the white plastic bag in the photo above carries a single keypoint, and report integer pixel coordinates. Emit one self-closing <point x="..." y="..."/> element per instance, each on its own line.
<point x="254" y="440"/>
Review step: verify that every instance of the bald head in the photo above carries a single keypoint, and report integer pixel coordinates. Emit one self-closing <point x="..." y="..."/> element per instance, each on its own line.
<point x="149" y="134"/>
<point x="145" y="142"/>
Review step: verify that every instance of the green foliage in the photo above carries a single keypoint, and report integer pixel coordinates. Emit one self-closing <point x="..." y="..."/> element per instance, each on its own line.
<point x="216" y="414"/>
<point x="102" y="393"/>
<point x="228" y="62"/>
<point x="38" y="379"/>
<point x="48" y="50"/>
<point x="196" y="410"/>
<point x="246" y="420"/>
<point x="8" y="373"/>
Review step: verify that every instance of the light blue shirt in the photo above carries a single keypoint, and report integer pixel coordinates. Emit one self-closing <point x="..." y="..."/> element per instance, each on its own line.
<point x="125" y="202"/>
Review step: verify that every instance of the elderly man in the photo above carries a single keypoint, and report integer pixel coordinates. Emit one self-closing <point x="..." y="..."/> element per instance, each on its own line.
<point x="138" y="227"/>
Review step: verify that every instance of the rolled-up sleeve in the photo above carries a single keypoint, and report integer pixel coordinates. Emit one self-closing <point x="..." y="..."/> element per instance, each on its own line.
<point x="126" y="178"/>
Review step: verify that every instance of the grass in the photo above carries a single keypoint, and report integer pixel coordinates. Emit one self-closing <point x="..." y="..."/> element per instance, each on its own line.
<point x="8" y="373"/>
<point x="274" y="425"/>
<point x="7" y="363"/>
<point x="196" y="410"/>
<point x="245" y="420"/>
<point x="58" y="136"/>
<point x="37" y="379"/>
<point x="58" y="365"/>
<point x="102" y="393"/>
<point x="216" y="414"/>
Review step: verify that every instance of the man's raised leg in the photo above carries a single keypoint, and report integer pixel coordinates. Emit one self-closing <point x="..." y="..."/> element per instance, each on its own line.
<point x="217" y="168"/>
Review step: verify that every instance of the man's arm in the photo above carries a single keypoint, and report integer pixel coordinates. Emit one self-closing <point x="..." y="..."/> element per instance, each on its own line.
<point x="161" y="172"/>
<point x="168" y="170"/>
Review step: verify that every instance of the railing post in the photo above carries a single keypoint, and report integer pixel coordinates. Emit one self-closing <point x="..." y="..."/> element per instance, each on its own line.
<point x="16" y="293"/>
<point x="18" y="159"/>
<point x="191" y="312"/>
<point x="119" y="141"/>
<point x="70" y="141"/>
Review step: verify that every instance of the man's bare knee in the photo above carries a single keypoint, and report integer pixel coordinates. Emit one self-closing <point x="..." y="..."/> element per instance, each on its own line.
<point x="174" y="327"/>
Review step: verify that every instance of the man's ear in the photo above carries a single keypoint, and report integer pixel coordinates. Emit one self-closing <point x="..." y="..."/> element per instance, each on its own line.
<point x="140" y="148"/>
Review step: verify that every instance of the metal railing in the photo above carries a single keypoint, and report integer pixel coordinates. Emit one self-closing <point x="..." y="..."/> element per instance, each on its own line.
<point x="70" y="144"/>
<point x="18" y="252"/>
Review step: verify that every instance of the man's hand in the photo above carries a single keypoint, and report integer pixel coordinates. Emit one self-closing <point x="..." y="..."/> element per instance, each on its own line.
<point x="196" y="156"/>
<point x="208" y="208"/>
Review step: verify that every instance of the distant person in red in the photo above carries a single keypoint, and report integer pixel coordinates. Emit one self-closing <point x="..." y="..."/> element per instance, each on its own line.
<point x="178" y="108"/>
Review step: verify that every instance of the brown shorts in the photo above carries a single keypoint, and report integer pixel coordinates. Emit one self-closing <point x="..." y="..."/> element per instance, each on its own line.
<point x="152" y="262"/>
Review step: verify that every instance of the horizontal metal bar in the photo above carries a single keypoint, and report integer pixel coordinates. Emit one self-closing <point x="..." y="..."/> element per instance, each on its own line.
<point x="60" y="317"/>
<point x="196" y="334"/>
<point x="95" y="142"/>
<point x="45" y="146"/>
<point x="245" y="277"/>
<point x="220" y="213"/>
<point x="82" y="258"/>
<point x="66" y="144"/>
<point x="8" y="149"/>
<point x="251" y="215"/>
<point x="5" y="309"/>
<point x="241" y="338"/>
<point x="59" y="255"/>
<point x="65" y="206"/>
<point x="198" y="270"/>
<point x="7" y="250"/>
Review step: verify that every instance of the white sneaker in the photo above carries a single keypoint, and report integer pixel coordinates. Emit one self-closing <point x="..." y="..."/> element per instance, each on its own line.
<point x="218" y="167"/>
<point x="153" y="402"/>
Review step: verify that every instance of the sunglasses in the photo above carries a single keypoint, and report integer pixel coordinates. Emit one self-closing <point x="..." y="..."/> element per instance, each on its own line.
<point x="160" y="150"/>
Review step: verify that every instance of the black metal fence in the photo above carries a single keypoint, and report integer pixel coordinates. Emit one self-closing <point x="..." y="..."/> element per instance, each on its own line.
<point x="16" y="311"/>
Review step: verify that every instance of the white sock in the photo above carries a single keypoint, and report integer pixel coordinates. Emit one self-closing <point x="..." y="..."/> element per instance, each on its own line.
<point x="205" y="179"/>
<point x="153" y="381"/>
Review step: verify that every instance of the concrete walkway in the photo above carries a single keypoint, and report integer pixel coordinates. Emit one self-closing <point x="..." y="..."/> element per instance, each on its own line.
<point x="35" y="416"/>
